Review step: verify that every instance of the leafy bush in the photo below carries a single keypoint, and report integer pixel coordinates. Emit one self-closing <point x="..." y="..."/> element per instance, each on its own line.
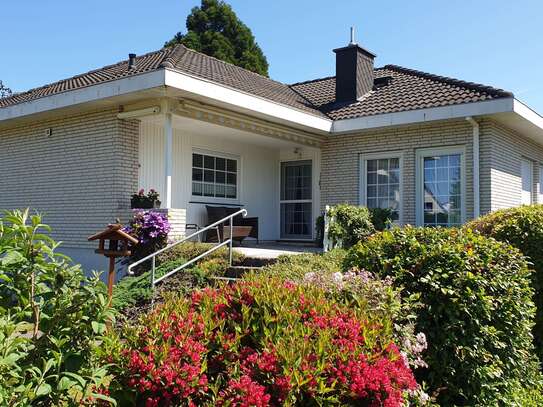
<point x="349" y="224"/>
<point x="136" y="291"/>
<point x="260" y="342"/>
<point x="477" y="309"/>
<point x="51" y="320"/>
<point x="522" y="228"/>
<point x="380" y="218"/>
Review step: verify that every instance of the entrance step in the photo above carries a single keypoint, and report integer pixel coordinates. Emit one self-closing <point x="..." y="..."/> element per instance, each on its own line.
<point x="239" y="271"/>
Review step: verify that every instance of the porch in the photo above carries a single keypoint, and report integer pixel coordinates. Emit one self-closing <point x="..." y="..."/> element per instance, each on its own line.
<point x="197" y="156"/>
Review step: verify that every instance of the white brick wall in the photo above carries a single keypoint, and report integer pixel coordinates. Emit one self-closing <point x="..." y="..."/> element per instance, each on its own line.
<point x="80" y="178"/>
<point x="340" y="160"/>
<point x="506" y="151"/>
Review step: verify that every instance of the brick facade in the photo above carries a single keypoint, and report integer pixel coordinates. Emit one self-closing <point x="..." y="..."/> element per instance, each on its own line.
<point x="80" y="177"/>
<point x="341" y="160"/>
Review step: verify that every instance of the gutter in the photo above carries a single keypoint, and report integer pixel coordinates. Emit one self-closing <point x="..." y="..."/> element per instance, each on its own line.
<point x="476" y="167"/>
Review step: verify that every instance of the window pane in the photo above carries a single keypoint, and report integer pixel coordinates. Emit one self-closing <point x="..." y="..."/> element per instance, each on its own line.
<point x="197" y="188"/>
<point x="231" y="179"/>
<point x="209" y="176"/>
<point x="220" y="164"/>
<point x="197" y="174"/>
<point x="383" y="185"/>
<point x="197" y="160"/>
<point x="231" y="165"/>
<point x="220" y="177"/>
<point x="442" y="190"/>
<point x="209" y="162"/>
<point x="527" y="184"/>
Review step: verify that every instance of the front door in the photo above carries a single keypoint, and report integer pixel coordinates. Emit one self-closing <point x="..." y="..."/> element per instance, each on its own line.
<point x="296" y="200"/>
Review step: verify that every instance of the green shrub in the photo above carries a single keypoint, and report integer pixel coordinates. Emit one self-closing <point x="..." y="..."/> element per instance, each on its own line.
<point x="52" y="320"/>
<point x="295" y="267"/>
<point x="477" y="309"/>
<point x="522" y="228"/>
<point x="349" y="225"/>
<point x="380" y="218"/>
<point x="135" y="291"/>
<point x="262" y="341"/>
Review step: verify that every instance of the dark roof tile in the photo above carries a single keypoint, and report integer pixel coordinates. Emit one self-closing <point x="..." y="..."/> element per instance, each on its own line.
<point x="400" y="90"/>
<point x="408" y="89"/>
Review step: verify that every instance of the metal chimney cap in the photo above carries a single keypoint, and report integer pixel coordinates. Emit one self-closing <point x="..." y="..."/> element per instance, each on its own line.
<point x="353" y="41"/>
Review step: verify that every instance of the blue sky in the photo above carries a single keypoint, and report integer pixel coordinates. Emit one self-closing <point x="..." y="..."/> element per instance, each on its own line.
<point x="495" y="42"/>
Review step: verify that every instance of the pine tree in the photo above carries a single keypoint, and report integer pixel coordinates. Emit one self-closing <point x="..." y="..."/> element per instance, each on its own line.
<point x="4" y="91"/>
<point x="214" y="29"/>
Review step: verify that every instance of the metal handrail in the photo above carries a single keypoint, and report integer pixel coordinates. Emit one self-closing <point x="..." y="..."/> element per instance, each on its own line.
<point x="152" y="256"/>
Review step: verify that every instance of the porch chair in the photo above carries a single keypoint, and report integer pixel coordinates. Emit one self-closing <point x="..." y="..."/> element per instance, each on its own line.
<point x="242" y="227"/>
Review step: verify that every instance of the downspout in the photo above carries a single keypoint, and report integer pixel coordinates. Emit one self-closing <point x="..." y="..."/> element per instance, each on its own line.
<point x="476" y="168"/>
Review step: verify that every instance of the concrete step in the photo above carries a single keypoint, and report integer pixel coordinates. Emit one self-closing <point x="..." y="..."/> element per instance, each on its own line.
<point x="239" y="271"/>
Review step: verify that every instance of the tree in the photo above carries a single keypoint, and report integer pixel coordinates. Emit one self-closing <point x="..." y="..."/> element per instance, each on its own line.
<point x="4" y="91"/>
<point x="214" y="29"/>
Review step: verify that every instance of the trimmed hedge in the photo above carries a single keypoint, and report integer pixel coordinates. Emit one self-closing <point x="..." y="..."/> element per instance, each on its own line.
<point x="521" y="227"/>
<point x="477" y="309"/>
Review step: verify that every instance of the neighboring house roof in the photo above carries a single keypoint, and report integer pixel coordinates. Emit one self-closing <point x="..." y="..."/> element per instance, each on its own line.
<point x="397" y="89"/>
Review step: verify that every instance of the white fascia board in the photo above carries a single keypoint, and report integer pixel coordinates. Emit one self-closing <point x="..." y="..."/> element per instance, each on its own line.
<point x="527" y="113"/>
<point x="88" y="94"/>
<point x="424" y="115"/>
<point x="236" y="98"/>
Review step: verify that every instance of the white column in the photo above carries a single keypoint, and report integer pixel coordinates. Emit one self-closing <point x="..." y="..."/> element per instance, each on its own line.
<point x="168" y="160"/>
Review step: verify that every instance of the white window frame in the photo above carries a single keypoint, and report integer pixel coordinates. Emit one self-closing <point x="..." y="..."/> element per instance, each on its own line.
<point x="436" y="151"/>
<point x="212" y="199"/>
<point x="363" y="176"/>
<point x="540" y="196"/>
<point x="531" y="172"/>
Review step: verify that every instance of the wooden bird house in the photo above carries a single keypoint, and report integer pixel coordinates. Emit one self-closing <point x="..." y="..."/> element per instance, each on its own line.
<point x="113" y="242"/>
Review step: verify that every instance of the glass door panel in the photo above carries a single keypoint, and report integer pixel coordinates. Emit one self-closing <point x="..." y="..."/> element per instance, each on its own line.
<point x="296" y="200"/>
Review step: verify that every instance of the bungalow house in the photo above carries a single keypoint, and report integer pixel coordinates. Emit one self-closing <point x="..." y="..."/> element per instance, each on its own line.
<point x="436" y="150"/>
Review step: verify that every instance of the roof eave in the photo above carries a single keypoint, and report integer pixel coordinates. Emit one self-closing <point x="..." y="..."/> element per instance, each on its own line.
<point x="89" y="94"/>
<point x="488" y="107"/>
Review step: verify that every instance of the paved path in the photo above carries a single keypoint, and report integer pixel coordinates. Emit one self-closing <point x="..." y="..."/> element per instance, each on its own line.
<point x="272" y="250"/>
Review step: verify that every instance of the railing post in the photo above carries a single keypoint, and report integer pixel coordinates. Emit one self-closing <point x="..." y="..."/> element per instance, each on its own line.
<point x="230" y="244"/>
<point x="153" y="263"/>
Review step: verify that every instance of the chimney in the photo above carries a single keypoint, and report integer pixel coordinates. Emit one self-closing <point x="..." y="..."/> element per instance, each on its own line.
<point x="131" y="61"/>
<point x="354" y="71"/>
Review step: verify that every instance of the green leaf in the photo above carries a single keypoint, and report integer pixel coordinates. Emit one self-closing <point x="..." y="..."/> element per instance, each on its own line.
<point x="43" y="389"/>
<point x="98" y="327"/>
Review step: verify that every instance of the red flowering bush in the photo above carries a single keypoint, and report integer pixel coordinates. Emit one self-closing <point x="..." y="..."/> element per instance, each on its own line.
<point x="261" y="342"/>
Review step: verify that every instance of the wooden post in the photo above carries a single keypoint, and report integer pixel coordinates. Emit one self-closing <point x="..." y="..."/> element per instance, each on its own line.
<point x="111" y="277"/>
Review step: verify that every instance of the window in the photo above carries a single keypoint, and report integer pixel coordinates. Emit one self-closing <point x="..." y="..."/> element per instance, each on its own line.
<point x="540" y="184"/>
<point x="381" y="183"/>
<point x="526" y="173"/>
<point x="440" y="189"/>
<point x="214" y="176"/>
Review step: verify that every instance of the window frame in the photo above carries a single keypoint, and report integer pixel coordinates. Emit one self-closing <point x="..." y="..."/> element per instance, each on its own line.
<point x="363" y="177"/>
<point x="217" y="154"/>
<point x="531" y="164"/>
<point x="540" y="194"/>
<point x="419" y="187"/>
